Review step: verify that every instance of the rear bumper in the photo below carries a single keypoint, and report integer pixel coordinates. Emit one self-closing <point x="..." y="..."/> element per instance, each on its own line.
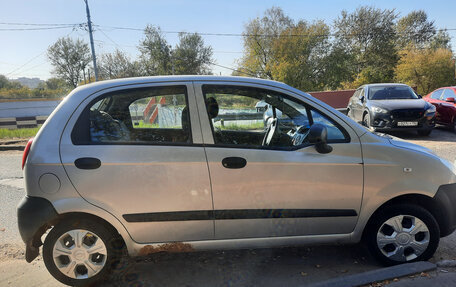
<point x="445" y="200"/>
<point x="34" y="215"/>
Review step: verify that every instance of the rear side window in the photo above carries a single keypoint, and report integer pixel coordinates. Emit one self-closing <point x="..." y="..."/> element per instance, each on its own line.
<point x="155" y="115"/>
<point x="436" y="95"/>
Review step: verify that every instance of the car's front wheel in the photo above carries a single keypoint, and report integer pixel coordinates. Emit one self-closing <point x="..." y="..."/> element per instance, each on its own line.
<point x="402" y="233"/>
<point x="80" y="252"/>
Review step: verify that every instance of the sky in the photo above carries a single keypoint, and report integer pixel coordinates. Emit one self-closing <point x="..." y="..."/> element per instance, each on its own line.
<point x="23" y="53"/>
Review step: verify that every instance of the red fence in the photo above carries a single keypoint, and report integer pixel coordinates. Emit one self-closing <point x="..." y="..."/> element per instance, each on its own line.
<point x="336" y="99"/>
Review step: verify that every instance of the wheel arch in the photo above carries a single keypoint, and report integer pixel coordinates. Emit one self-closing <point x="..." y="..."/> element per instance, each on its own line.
<point x="424" y="201"/>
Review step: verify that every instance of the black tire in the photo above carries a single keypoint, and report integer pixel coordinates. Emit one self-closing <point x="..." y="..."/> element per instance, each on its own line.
<point x="424" y="133"/>
<point x="370" y="235"/>
<point x="366" y="120"/>
<point x="110" y="240"/>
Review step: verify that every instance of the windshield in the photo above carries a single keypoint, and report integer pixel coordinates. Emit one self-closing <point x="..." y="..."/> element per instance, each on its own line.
<point x="391" y="93"/>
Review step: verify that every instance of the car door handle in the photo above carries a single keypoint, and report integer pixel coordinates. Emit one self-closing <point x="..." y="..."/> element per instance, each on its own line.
<point x="87" y="163"/>
<point x="234" y="162"/>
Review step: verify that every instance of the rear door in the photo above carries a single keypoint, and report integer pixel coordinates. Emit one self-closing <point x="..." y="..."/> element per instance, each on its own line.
<point x="435" y="99"/>
<point x="284" y="188"/>
<point x="136" y="152"/>
<point x="446" y="109"/>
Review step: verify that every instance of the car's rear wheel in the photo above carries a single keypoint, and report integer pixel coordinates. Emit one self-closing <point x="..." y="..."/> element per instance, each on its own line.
<point x="80" y="252"/>
<point x="402" y="233"/>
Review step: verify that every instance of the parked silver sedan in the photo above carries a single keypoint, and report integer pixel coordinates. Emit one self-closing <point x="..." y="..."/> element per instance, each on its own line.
<point x="187" y="163"/>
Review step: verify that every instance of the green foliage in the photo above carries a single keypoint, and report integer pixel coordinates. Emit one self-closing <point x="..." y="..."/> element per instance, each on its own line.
<point x="118" y="65"/>
<point x="427" y="69"/>
<point x="260" y="36"/>
<point x="191" y="57"/>
<point x="368" y="35"/>
<point x="69" y="58"/>
<point x="415" y="29"/>
<point x="155" y="52"/>
<point x="51" y="89"/>
<point x="18" y="133"/>
<point x="364" y="48"/>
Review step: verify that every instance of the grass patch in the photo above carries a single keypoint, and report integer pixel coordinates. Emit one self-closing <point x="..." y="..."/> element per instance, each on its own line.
<point x="18" y="133"/>
<point x="241" y="127"/>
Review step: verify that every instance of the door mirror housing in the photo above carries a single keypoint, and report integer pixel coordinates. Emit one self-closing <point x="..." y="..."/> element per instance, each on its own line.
<point x="318" y="135"/>
<point x="420" y="96"/>
<point x="450" y="100"/>
<point x="362" y="99"/>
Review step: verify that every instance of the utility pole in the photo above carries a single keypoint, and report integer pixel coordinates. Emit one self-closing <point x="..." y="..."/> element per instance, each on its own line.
<point x="89" y="23"/>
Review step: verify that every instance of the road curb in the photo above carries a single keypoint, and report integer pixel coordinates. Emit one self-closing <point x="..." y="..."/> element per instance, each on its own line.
<point x="378" y="275"/>
<point x="12" y="147"/>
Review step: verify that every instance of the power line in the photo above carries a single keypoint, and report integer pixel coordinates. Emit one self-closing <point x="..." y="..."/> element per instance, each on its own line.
<point x="234" y="70"/>
<point x="38" y="29"/>
<point x="39" y="24"/>
<point x="29" y="61"/>
<point x="262" y="35"/>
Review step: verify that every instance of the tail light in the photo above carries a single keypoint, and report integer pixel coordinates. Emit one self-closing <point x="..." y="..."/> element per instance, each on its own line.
<point x="26" y="152"/>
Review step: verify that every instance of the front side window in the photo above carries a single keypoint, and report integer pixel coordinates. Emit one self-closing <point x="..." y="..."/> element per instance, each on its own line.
<point x="447" y="93"/>
<point x="252" y="117"/>
<point x="146" y="115"/>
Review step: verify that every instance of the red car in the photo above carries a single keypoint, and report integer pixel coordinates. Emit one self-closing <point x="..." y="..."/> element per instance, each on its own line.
<point x="444" y="101"/>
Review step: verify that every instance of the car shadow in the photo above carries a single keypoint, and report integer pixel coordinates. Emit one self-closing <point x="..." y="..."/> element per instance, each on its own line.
<point x="254" y="267"/>
<point x="440" y="133"/>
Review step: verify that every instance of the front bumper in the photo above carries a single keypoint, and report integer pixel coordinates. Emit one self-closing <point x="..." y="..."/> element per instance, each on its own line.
<point x="34" y="217"/>
<point x="389" y="122"/>
<point x="445" y="200"/>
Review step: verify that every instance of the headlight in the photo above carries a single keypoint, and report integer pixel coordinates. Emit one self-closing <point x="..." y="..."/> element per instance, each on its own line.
<point x="430" y="110"/>
<point x="379" y="110"/>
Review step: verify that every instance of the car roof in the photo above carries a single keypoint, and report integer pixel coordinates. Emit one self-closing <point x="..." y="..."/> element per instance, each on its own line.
<point x="187" y="78"/>
<point x="385" y="84"/>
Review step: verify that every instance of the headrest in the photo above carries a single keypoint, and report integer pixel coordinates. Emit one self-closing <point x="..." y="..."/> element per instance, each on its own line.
<point x="212" y="107"/>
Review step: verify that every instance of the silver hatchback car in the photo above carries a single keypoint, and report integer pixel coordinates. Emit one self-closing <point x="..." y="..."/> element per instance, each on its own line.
<point x="186" y="163"/>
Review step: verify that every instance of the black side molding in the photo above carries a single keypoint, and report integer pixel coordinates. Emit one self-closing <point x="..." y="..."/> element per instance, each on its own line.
<point x="236" y="214"/>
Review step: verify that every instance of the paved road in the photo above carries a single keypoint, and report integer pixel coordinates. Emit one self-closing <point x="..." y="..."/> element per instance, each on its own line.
<point x="262" y="267"/>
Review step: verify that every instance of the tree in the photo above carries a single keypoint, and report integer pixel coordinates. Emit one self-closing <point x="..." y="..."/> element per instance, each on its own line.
<point x="368" y="35"/>
<point x="300" y="60"/>
<point x="69" y="58"/>
<point x="415" y="29"/>
<point x="118" y="65"/>
<point x="441" y="40"/>
<point x="155" y="52"/>
<point x="259" y="38"/>
<point x="3" y="82"/>
<point x="191" y="56"/>
<point x="56" y="84"/>
<point x="427" y="69"/>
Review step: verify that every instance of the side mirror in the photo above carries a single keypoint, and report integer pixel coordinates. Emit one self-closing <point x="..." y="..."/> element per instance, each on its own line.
<point x="450" y="100"/>
<point x="420" y="96"/>
<point x="362" y="99"/>
<point x="318" y="135"/>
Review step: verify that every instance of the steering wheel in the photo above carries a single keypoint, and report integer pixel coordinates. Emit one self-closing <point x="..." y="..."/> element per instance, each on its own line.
<point x="300" y="135"/>
<point x="272" y="132"/>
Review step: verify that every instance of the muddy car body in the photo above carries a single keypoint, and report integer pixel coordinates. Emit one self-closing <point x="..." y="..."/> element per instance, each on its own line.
<point x="146" y="163"/>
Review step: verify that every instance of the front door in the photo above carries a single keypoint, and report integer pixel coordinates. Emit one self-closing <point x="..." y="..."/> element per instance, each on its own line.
<point x="266" y="179"/>
<point x="136" y="152"/>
